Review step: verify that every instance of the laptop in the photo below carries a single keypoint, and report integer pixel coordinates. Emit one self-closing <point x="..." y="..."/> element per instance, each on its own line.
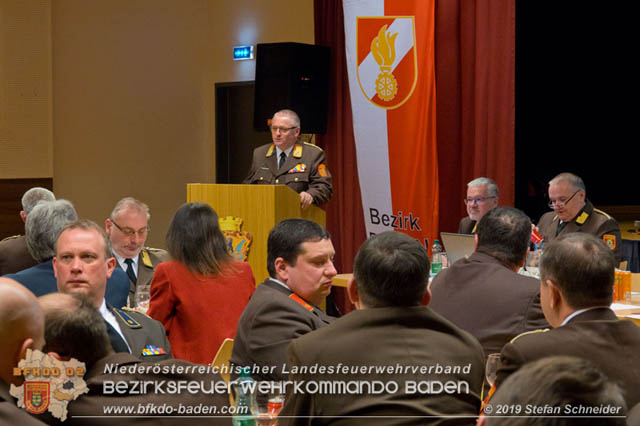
<point x="457" y="246"/>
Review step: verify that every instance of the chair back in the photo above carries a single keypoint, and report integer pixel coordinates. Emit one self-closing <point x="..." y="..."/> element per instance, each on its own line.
<point x="222" y="357"/>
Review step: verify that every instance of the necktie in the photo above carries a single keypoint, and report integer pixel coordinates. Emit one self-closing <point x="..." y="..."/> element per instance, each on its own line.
<point x="117" y="343"/>
<point x="132" y="275"/>
<point x="561" y="226"/>
<point x="283" y="157"/>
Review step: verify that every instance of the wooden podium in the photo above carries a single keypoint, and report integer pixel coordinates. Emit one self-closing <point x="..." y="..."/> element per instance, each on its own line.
<point x="260" y="207"/>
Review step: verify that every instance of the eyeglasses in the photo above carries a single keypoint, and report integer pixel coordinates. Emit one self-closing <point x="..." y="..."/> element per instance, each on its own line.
<point x="473" y="201"/>
<point x="274" y="129"/>
<point x="129" y="232"/>
<point x="561" y="203"/>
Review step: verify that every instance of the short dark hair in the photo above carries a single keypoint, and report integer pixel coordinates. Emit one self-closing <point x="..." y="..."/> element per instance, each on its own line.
<point x="582" y="267"/>
<point x="77" y="331"/>
<point x="558" y="381"/>
<point x="286" y="239"/>
<point x="195" y="239"/>
<point x="504" y="233"/>
<point x="391" y="269"/>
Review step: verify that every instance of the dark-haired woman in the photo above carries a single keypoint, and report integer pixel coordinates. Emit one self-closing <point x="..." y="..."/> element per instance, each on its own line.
<point x="200" y="294"/>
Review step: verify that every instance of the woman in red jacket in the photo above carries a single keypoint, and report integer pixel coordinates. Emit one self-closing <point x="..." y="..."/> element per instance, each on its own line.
<point x="200" y="294"/>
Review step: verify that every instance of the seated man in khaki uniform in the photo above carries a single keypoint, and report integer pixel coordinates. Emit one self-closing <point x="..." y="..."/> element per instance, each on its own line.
<point x="482" y="196"/>
<point x="127" y="228"/>
<point x="300" y="166"/>
<point x="573" y="212"/>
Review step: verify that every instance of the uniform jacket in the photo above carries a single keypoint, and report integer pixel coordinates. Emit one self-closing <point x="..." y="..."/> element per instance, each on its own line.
<point x="379" y="337"/>
<point x="10" y="413"/>
<point x="199" y="312"/>
<point x="148" y="259"/>
<point x="589" y="220"/>
<point x="41" y="280"/>
<point x="304" y="170"/>
<point x="14" y="255"/>
<point x="143" y="334"/>
<point x="94" y="402"/>
<point x="482" y="296"/>
<point x="597" y="335"/>
<point x="467" y="226"/>
<point x="269" y="322"/>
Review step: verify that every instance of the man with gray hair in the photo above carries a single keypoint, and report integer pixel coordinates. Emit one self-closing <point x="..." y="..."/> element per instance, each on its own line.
<point x="43" y="225"/>
<point x="573" y="212"/>
<point x="127" y="228"/>
<point x="14" y="255"/>
<point x="300" y="166"/>
<point x="482" y="196"/>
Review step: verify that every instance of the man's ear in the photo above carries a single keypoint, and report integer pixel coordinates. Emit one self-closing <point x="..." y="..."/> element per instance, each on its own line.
<point x="107" y="227"/>
<point x="475" y="242"/>
<point x="23" y="216"/>
<point x="352" y="291"/>
<point x="282" y="271"/>
<point x="111" y="265"/>
<point x="427" y="297"/>
<point x="555" y="296"/>
<point x="22" y="353"/>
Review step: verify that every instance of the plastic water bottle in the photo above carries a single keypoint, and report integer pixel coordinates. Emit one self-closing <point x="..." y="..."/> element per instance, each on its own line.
<point x="243" y="393"/>
<point x="436" y="257"/>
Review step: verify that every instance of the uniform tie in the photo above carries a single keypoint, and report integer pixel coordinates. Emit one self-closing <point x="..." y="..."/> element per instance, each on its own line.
<point x="117" y="342"/>
<point x="132" y="275"/>
<point x="283" y="157"/>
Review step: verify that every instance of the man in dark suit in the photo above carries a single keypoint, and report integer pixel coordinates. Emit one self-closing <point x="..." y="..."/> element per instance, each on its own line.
<point x="576" y="287"/>
<point x="21" y="328"/>
<point x="387" y="340"/>
<point x="482" y="196"/>
<point x="14" y="255"/>
<point x="43" y="225"/>
<point x="74" y="328"/>
<point x="573" y="212"/>
<point x="285" y="306"/>
<point x="127" y="228"/>
<point x="82" y="264"/>
<point x="484" y="294"/>
<point x="300" y="166"/>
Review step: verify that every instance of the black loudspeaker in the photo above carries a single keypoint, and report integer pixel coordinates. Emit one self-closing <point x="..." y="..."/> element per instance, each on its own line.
<point x="292" y="76"/>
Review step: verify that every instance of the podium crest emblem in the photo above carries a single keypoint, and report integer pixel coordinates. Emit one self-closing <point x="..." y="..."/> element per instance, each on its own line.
<point x="238" y="241"/>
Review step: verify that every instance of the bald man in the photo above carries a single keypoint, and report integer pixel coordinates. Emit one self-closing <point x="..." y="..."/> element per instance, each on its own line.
<point x="21" y="328"/>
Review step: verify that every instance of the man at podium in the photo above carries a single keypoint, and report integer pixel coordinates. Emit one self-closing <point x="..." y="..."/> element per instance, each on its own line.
<point x="300" y="166"/>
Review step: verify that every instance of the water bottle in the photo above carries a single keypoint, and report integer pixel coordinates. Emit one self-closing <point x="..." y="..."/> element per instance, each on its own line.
<point x="436" y="257"/>
<point x="243" y="392"/>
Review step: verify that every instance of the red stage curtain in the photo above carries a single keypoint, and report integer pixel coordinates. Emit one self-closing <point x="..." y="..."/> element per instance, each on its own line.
<point x="475" y="113"/>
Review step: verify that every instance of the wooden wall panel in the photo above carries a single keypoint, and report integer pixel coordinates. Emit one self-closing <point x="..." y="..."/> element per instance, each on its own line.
<point x="11" y="191"/>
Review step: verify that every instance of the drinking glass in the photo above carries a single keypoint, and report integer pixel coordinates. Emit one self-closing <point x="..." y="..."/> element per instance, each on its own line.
<point x="265" y="408"/>
<point x="491" y="370"/>
<point x="142" y="297"/>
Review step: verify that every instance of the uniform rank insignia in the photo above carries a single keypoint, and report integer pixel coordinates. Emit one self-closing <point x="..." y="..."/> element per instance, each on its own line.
<point x="610" y="240"/>
<point x="36" y="397"/>
<point x="582" y="218"/>
<point x="297" y="151"/>
<point x="299" y="168"/>
<point x="322" y="170"/>
<point x="130" y="322"/>
<point x="301" y="301"/>
<point x="146" y="260"/>
<point x="151" y="350"/>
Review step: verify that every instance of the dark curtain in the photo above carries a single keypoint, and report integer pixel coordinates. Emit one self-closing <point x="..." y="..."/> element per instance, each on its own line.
<point x="345" y="219"/>
<point x="475" y="113"/>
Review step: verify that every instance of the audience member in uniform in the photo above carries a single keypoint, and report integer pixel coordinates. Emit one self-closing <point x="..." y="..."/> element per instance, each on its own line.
<point x="21" y="328"/>
<point x="44" y="223"/>
<point x="285" y="306"/>
<point x="14" y="255"/>
<point x="199" y="295"/>
<point x="300" y="166"/>
<point x="75" y="329"/>
<point x="573" y="212"/>
<point x="482" y="196"/>
<point x="557" y="391"/>
<point x="82" y="264"/>
<point x="484" y="294"/>
<point x="389" y="328"/>
<point x="127" y="228"/>
<point x="576" y="287"/>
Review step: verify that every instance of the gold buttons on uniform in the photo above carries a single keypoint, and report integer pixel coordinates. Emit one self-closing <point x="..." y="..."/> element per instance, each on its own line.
<point x="296" y="179"/>
<point x="277" y="181"/>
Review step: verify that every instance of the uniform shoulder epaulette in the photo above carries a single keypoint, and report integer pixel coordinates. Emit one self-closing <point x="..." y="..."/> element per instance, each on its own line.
<point x="310" y="144"/>
<point x="13" y="237"/>
<point x="127" y="318"/>
<point x="542" y="330"/>
<point x="602" y="213"/>
<point x="153" y="249"/>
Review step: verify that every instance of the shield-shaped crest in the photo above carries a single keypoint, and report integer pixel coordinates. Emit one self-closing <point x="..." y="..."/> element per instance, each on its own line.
<point x="238" y="241"/>
<point x="36" y="397"/>
<point x="387" y="59"/>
